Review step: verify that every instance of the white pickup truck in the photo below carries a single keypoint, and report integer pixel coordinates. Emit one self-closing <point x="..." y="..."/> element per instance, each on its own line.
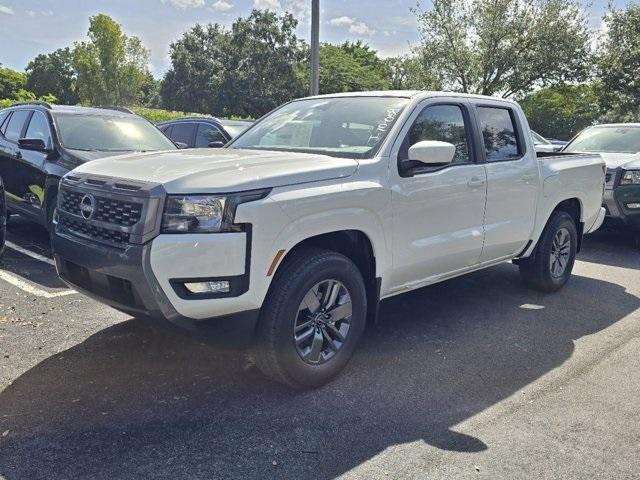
<point x="297" y="229"/>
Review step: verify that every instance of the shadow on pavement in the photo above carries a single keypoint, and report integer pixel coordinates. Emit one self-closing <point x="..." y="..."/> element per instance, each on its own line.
<point x="137" y="401"/>
<point x="611" y="246"/>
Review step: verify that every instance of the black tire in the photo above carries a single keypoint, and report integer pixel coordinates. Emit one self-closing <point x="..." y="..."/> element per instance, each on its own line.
<point x="540" y="272"/>
<point x="275" y="350"/>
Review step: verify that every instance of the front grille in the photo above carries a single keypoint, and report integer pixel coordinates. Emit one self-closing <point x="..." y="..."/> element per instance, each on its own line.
<point x="87" y="230"/>
<point x="109" y="210"/>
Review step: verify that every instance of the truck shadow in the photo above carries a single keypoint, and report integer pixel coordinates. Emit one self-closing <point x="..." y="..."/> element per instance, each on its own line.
<point x="137" y="401"/>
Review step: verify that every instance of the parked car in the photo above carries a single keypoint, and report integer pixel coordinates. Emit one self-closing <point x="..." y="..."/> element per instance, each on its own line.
<point x="298" y="228"/>
<point x="619" y="146"/>
<point x="3" y="219"/>
<point x="543" y="145"/>
<point x="39" y="143"/>
<point x="203" y="132"/>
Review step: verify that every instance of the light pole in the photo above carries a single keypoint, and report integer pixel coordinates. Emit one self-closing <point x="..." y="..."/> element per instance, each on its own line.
<point x="314" y="84"/>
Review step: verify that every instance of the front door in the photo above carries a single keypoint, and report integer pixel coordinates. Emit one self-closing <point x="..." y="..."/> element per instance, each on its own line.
<point x="438" y="211"/>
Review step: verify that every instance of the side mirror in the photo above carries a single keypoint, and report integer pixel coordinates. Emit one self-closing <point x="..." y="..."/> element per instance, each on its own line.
<point x="32" y="144"/>
<point x="181" y="145"/>
<point x="432" y="152"/>
<point x="216" y="144"/>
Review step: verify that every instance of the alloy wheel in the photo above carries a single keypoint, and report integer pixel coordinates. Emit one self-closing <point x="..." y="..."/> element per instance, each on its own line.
<point x="560" y="251"/>
<point x="323" y="322"/>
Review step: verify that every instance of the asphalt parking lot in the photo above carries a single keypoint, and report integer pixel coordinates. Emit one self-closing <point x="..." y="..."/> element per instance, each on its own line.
<point x="473" y="378"/>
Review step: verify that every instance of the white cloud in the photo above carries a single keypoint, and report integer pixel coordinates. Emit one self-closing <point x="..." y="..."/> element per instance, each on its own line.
<point x="31" y="13"/>
<point x="6" y="10"/>
<point x="267" y="4"/>
<point x="222" y="6"/>
<point x="342" y="21"/>
<point x="185" y="3"/>
<point x="361" y="28"/>
<point x="355" y="27"/>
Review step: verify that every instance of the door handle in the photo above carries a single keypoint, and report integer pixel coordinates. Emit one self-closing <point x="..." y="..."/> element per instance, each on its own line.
<point x="529" y="178"/>
<point x="475" y="182"/>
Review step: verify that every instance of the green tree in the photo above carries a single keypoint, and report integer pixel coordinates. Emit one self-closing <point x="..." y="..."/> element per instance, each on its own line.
<point x="352" y="67"/>
<point x="112" y="68"/>
<point x="618" y="66"/>
<point x="561" y="112"/>
<point x="11" y="82"/>
<point x="53" y="74"/>
<point x="504" y="47"/>
<point x="407" y="73"/>
<point x="245" y="71"/>
<point x="263" y="65"/>
<point x="198" y="63"/>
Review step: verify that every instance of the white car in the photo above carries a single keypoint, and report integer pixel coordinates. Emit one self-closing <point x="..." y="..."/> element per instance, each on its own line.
<point x="543" y="145"/>
<point x="299" y="227"/>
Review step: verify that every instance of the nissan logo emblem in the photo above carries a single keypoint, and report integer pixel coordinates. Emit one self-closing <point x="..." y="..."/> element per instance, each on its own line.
<point x="87" y="206"/>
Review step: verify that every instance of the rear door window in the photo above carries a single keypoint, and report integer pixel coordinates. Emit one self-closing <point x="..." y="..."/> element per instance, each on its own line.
<point x="208" y="134"/>
<point x="3" y="117"/>
<point x="183" y="133"/>
<point x="16" y="124"/>
<point x="499" y="134"/>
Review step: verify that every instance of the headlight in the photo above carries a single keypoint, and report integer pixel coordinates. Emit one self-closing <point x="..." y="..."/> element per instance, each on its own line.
<point x="204" y="213"/>
<point x="630" y="177"/>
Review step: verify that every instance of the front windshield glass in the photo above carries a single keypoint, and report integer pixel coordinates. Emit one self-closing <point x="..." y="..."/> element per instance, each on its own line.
<point x="607" y="139"/>
<point x="110" y="133"/>
<point x="351" y="127"/>
<point x="235" y="130"/>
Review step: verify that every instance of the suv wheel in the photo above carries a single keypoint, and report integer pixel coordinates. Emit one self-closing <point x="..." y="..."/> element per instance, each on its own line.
<point x="554" y="255"/>
<point x="312" y="320"/>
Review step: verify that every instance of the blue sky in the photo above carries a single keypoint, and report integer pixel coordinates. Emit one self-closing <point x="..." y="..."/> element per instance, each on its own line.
<point x="30" y="27"/>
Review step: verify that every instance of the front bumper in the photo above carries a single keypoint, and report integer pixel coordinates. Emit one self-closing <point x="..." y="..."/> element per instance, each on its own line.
<point x="616" y="201"/>
<point x="125" y="280"/>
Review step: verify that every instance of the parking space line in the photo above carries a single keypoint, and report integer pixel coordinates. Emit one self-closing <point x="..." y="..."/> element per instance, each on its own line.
<point x="29" y="288"/>
<point x="29" y="253"/>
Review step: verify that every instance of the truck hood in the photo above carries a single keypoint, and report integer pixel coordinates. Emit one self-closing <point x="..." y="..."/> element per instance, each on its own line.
<point x="626" y="160"/>
<point x="217" y="170"/>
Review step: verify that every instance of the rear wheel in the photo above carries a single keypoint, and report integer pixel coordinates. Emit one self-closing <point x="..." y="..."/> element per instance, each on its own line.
<point x="550" y="266"/>
<point x="312" y="319"/>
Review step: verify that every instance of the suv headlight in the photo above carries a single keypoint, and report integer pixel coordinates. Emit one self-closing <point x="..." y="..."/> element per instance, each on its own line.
<point x="630" y="177"/>
<point x="204" y="213"/>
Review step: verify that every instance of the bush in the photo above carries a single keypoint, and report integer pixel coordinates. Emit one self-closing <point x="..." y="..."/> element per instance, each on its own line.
<point x="156" y="115"/>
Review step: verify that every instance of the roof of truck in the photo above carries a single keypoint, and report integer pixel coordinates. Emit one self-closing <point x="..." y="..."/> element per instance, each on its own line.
<point x="411" y="94"/>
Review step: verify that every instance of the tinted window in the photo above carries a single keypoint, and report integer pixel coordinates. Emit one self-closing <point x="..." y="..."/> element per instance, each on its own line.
<point x="349" y="127"/>
<point x="499" y="133"/>
<point x="16" y="122"/>
<point x="183" y="133"/>
<point x="607" y="139"/>
<point x="444" y="123"/>
<point x="208" y="133"/>
<point x="38" y="128"/>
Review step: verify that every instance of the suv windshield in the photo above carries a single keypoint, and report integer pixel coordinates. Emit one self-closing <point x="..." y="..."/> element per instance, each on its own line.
<point x="109" y="133"/>
<point x="606" y="139"/>
<point x="351" y="127"/>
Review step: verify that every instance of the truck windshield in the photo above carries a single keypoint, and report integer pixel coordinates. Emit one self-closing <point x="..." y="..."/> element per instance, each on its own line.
<point x="607" y="139"/>
<point x="109" y="134"/>
<point x="351" y="127"/>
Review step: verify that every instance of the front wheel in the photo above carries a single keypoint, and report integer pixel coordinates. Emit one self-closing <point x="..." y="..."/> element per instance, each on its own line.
<point x="552" y="261"/>
<point x="312" y="320"/>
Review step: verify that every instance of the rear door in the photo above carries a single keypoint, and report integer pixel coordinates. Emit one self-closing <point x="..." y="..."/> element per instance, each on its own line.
<point x="512" y="180"/>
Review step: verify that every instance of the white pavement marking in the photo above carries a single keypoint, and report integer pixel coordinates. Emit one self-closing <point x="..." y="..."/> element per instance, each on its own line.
<point x="31" y="254"/>
<point x="29" y="288"/>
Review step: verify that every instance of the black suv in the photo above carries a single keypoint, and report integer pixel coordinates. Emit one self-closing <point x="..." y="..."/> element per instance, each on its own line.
<point x="39" y="143"/>
<point x="203" y="132"/>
